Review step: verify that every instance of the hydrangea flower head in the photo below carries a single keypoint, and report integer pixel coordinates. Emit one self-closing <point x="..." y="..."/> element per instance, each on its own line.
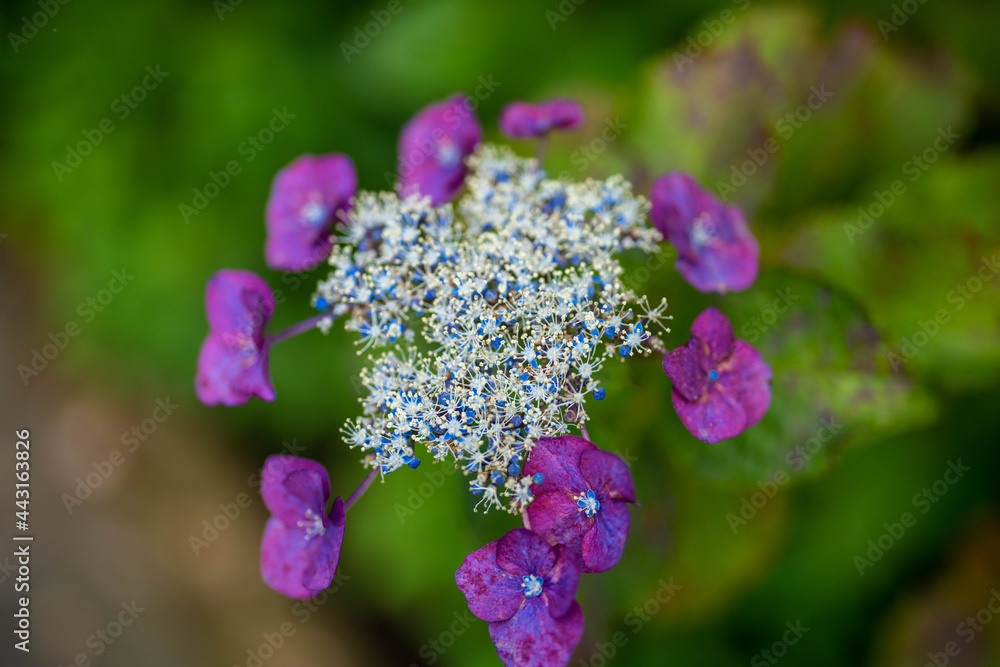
<point x="715" y="250"/>
<point x="523" y="120"/>
<point x="582" y="500"/>
<point x="306" y="198"/>
<point x="301" y="545"/>
<point x="721" y="384"/>
<point x="525" y="588"/>
<point x="433" y="147"/>
<point x="233" y="362"/>
<point x="519" y="298"/>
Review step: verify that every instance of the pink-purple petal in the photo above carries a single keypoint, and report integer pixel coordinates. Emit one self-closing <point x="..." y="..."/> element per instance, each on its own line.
<point x="556" y="517"/>
<point x="522" y="552"/>
<point x="291" y="485"/>
<point x="608" y="475"/>
<point x="558" y="459"/>
<point x="685" y="366"/>
<point x="493" y="594"/>
<point x="306" y="197"/>
<point x="319" y="573"/>
<point x="285" y="553"/>
<point x="238" y="302"/>
<point x="231" y="373"/>
<point x="717" y="415"/>
<point x="715" y="332"/>
<point x="433" y="147"/>
<point x="604" y="544"/>
<point x="559" y="587"/>
<point x="523" y="120"/>
<point x="721" y="266"/>
<point x="533" y="638"/>
<point x="748" y="378"/>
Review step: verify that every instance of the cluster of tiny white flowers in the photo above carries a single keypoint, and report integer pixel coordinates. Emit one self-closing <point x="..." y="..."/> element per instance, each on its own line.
<point x="518" y="301"/>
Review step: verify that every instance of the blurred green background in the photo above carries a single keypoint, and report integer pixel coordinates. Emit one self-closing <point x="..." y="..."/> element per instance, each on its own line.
<point x="878" y="308"/>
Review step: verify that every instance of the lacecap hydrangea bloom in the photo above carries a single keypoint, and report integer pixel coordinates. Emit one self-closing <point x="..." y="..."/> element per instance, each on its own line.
<point x="486" y="323"/>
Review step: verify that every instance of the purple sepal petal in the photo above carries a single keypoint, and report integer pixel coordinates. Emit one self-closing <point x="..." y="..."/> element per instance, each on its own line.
<point x="712" y="418"/>
<point x="685" y="366"/>
<point x="306" y="197"/>
<point x="433" y="147"/>
<point x="747" y="377"/>
<point x="291" y="485"/>
<point x="608" y="475"/>
<point x="716" y="252"/>
<point x="558" y="460"/>
<point x="493" y="594"/>
<point x="604" y="543"/>
<point x="239" y="303"/>
<point x="231" y="370"/>
<point x="522" y="552"/>
<point x="559" y="588"/>
<point x="319" y="574"/>
<point x="533" y="638"/>
<point x="556" y="517"/>
<point x="285" y="556"/>
<point x="523" y="120"/>
<point x="714" y="330"/>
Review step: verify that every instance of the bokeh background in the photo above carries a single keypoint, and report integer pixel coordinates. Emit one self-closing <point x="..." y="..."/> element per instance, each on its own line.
<point x="885" y="371"/>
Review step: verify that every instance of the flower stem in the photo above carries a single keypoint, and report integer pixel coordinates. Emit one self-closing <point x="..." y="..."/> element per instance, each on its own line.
<point x="583" y="431"/>
<point x="360" y="491"/>
<point x="296" y="329"/>
<point x="541" y="148"/>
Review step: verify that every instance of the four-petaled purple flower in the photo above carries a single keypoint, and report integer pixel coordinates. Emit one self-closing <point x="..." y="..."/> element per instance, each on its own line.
<point x="715" y="250"/>
<point x="433" y="147"/>
<point x="581" y="499"/>
<point x="301" y="545"/>
<point x="233" y="362"/>
<point x="306" y="196"/>
<point x="525" y="588"/>
<point x="523" y="120"/>
<point x="721" y="384"/>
